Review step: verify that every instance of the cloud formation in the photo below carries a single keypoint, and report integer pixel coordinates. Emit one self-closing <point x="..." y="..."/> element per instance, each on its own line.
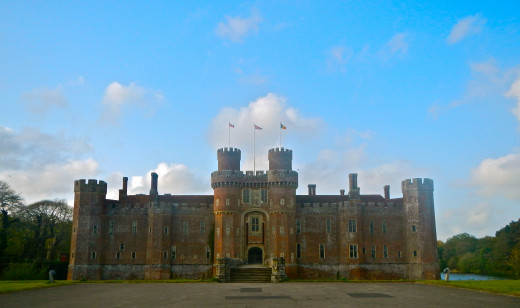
<point x="498" y="177"/>
<point x="173" y="179"/>
<point x="337" y="58"/>
<point x="398" y="43"/>
<point x="514" y="92"/>
<point x="118" y="96"/>
<point x="465" y="27"/>
<point x="236" y="29"/>
<point x="267" y="112"/>
<point x="42" y="165"/>
<point x="41" y="100"/>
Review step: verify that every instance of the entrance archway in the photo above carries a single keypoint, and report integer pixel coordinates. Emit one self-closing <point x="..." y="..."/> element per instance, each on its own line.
<point x="254" y="255"/>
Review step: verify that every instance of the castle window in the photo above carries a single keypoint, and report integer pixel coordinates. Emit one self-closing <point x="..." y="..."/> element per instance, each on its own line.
<point x="371" y="227"/>
<point x="245" y="195"/>
<point x="282" y="255"/>
<point x="415" y="253"/>
<point x="298" y="251"/>
<point x="384" y="226"/>
<point x="72" y="255"/>
<point x="93" y="255"/>
<point x="373" y="251"/>
<point x="202" y="227"/>
<point x="165" y="255"/>
<point x="228" y="231"/>
<point x="134" y="227"/>
<point x="74" y="230"/>
<point x="122" y="246"/>
<point x="111" y="227"/>
<point x="149" y="230"/>
<point x="298" y="226"/>
<point x="352" y="225"/>
<point x="398" y="254"/>
<point x="118" y="255"/>
<point x="217" y="203"/>
<point x="185" y="227"/>
<point x="218" y="231"/>
<point x="282" y="201"/>
<point x="364" y="250"/>
<point x="282" y="230"/>
<point x="274" y="230"/>
<point x="166" y="230"/>
<point x="414" y="228"/>
<point x="208" y="252"/>
<point x="94" y="229"/>
<point x="353" y="249"/>
<point x="264" y="195"/>
<point x="385" y="251"/>
<point x="227" y="202"/>
<point x="322" y="251"/>
<point x="133" y="255"/>
<point x="174" y="252"/>
<point x="328" y="225"/>
<point x="255" y="224"/>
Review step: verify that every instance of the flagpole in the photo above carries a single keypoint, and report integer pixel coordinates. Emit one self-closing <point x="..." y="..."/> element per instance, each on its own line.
<point x="280" y="136"/>
<point x="254" y="149"/>
<point x="229" y="134"/>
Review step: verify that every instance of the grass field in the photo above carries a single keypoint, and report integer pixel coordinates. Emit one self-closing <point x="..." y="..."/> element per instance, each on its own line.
<point x="509" y="287"/>
<point x="18" y="285"/>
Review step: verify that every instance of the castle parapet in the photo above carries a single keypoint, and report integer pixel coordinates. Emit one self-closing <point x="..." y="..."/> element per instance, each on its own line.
<point x="90" y="186"/>
<point x="228" y="158"/>
<point x="417" y="184"/>
<point x="280" y="159"/>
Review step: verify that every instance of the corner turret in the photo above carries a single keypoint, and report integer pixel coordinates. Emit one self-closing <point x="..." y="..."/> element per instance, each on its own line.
<point x="280" y="159"/>
<point x="228" y="159"/>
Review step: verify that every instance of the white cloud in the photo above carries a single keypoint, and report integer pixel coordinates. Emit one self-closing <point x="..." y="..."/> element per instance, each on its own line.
<point x="337" y="58"/>
<point x="41" y="100"/>
<point x="41" y="165"/>
<point x="498" y="177"/>
<point x="118" y="96"/>
<point x="236" y="29"/>
<point x="465" y="27"/>
<point x="398" y="43"/>
<point x="514" y="92"/>
<point x="173" y="179"/>
<point x="488" y="80"/>
<point x="267" y="112"/>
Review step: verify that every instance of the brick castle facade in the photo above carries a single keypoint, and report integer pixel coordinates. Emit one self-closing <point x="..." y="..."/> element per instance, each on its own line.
<point x="254" y="217"/>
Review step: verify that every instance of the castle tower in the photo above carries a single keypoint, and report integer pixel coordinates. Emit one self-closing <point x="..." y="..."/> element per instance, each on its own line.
<point x="282" y="183"/>
<point x="88" y="230"/>
<point x="227" y="187"/>
<point x="420" y="232"/>
<point x="157" y="243"/>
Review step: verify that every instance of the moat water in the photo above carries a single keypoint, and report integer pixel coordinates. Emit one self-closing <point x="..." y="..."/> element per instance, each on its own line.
<point x="465" y="276"/>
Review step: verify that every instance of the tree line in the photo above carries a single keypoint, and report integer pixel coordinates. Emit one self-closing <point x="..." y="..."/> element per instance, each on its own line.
<point x="34" y="237"/>
<point x="495" y="256"/>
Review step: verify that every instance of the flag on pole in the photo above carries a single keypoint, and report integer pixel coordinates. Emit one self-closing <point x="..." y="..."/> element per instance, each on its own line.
<point x="283" y="126"/>
<point x="231" y="125"/>
<point x="257" y="127"/>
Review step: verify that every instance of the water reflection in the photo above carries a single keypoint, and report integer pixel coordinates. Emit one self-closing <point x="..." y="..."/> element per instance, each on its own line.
<point x="464" y="276"/>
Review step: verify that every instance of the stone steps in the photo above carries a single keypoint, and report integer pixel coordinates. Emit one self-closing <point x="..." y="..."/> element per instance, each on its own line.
<point x="251" y="274"/>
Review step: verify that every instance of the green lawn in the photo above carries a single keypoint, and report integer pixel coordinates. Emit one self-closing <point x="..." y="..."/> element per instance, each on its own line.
<point x="509" y="287"/>
<point x="18" y="285"/>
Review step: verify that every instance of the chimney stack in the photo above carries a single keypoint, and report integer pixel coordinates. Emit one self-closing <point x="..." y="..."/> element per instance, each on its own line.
<point x="387" y="192"/>
<point x="312" y="189"/>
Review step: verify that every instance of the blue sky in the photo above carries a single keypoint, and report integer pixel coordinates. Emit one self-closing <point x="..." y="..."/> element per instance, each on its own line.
<point x="390" y="90"/>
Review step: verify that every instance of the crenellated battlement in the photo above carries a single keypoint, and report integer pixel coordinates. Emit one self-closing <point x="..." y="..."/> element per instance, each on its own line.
<point x="90" y="186"/>
<point x="228" y="150"/>
<point x="282" y="150"/>
<point x="417" y="184"/>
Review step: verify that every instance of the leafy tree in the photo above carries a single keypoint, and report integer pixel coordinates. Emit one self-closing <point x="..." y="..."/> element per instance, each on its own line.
<point x="9" y="202"/>
<point x="514" y="261"/>
<point x="47" y="225"/>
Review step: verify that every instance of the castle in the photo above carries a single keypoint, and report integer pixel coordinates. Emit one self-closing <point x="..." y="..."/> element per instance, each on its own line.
<point x="254" y="218"/>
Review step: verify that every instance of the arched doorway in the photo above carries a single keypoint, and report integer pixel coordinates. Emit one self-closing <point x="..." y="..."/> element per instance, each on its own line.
<point x="254" y="255"/>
